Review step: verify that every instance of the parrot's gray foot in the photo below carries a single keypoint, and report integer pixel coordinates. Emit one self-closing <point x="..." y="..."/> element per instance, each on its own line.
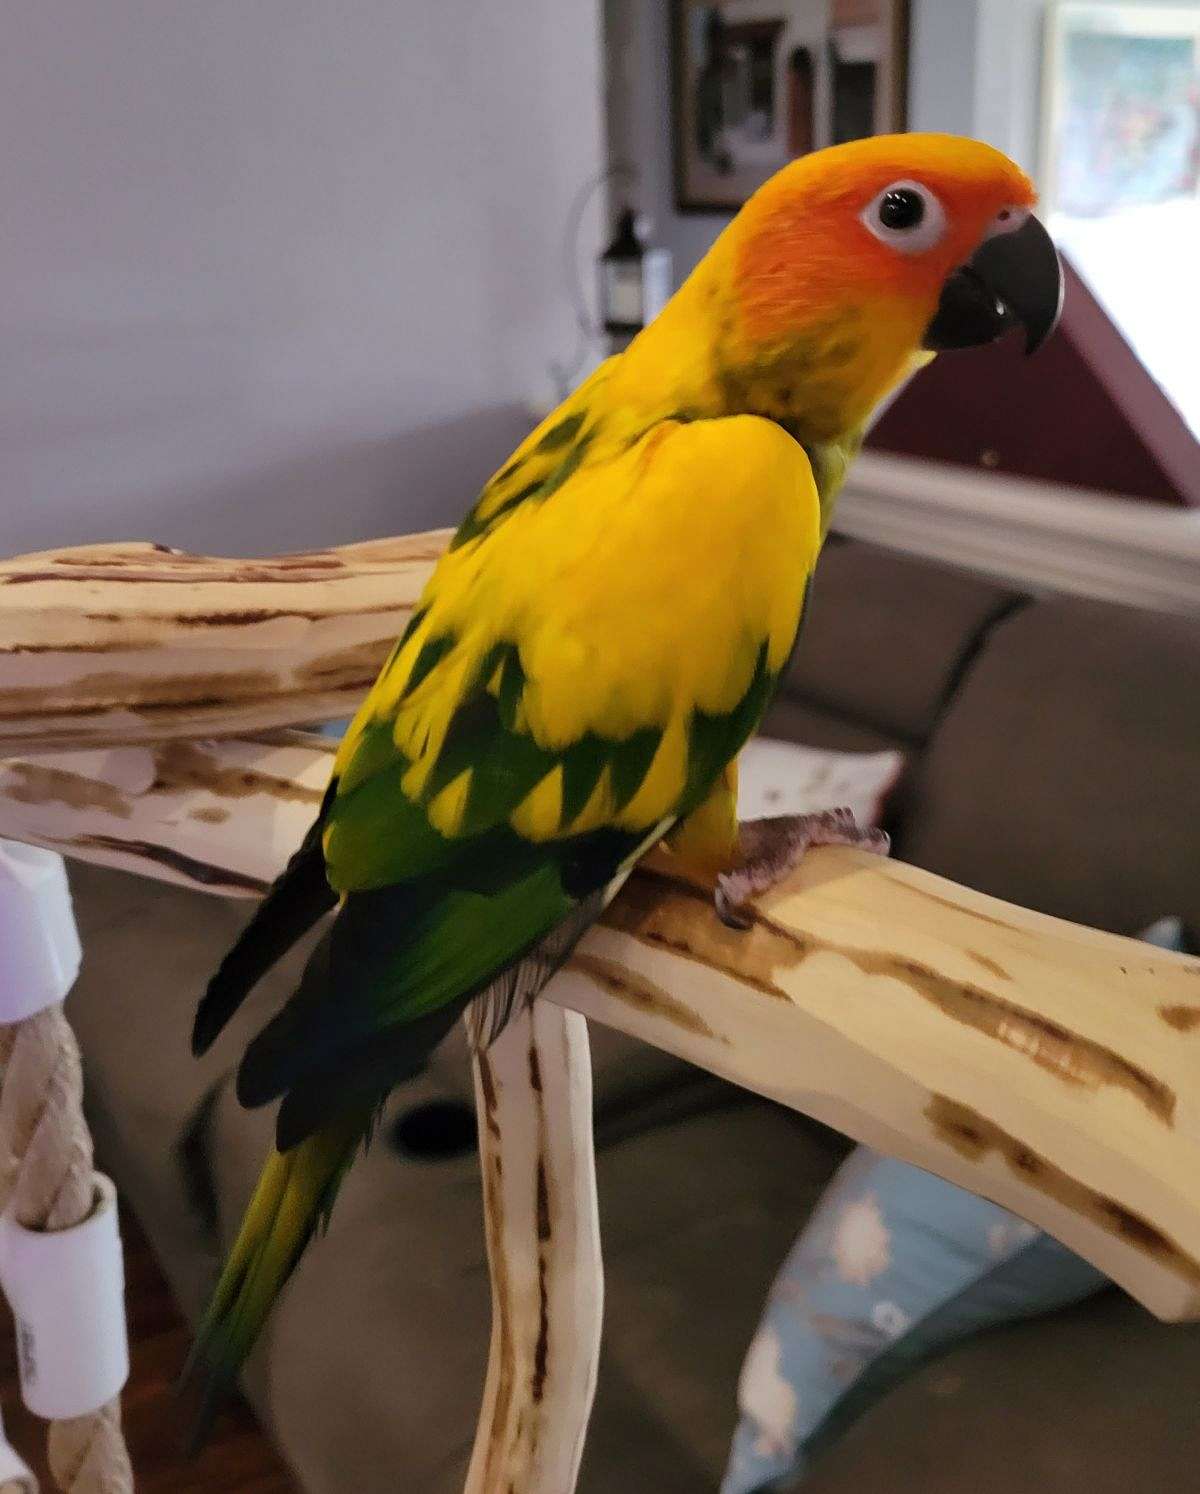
<point x="775" y="847"/>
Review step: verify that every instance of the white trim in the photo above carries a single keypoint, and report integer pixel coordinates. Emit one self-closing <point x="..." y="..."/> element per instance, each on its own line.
<point x="1040" y="535"/>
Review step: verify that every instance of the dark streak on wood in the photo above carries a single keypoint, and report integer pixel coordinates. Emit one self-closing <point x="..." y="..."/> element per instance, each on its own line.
<point x="117" y="691"/>
<point x="216" y="714"/>
<point x="38" y="784"/>
<point x="183" y="765"/>
<point x="114" y="646"/>
<point x="945" y="902"/>
<point x="494" y="1223"/>
<point x="249" y="617"/>
<point x="544" y="1230"/>
<point x="488" y="1084"/>
<point x="973" y="1136"/>
<point x="989" y="965"/>
<point x="317" y="561"/>
<point x="235" y="617"/>
<point x="1065" y="1054"/>
<point x="344" y="666"/>
<point x="637" y="991"/>
<point x="291" y="736"/>
<point x="541" y="1349"/>
<point x="1181" y="1018"/>
<point x="245" y="575"/>
<point x="202" y="873"/>
<point x="660" y="909"/>
<point x="209" y="814"/>
<point x="688" y="951"/>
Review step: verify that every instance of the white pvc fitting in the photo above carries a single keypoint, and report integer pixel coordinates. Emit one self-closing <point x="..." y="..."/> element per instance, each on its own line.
<point x="39" y="944"/>
<point x="67" y="1291"/>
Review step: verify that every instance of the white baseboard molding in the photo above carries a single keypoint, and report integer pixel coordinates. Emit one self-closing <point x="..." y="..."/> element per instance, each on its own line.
<point x="1040" y="535"/>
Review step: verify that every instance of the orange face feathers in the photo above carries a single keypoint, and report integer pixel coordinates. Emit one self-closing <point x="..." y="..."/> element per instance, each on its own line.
<point x="805" y="248"/>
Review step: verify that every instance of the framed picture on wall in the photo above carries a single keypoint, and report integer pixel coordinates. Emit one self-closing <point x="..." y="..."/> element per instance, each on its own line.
<point x="757" y="82"/>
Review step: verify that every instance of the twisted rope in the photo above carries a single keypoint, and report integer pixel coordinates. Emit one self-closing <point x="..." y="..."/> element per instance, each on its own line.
<point x="47" y="1179"/>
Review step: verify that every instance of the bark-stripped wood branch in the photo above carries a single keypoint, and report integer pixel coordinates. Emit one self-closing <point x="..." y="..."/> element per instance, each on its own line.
<point x="222" y="816"/>
<point x="1053" y="1068"/>
<point x="533" y="1090"/>
<point x="136" y="642"/>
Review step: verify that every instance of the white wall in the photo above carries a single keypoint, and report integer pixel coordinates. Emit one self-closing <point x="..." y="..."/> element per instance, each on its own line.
<point x="941" y="73"/>
<point x="283" y="272"/>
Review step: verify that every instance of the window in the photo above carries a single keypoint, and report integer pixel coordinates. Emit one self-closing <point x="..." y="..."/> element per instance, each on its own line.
<point x="1121" y="174"/>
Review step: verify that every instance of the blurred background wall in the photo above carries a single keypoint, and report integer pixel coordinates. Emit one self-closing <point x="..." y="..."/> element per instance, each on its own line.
<point x="282" y="273"/>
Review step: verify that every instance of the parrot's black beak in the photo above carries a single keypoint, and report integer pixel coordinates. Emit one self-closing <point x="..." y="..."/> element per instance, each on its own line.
<point x="1012" y="278"/>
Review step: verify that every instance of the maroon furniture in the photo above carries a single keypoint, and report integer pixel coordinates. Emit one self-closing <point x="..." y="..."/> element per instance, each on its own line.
<point x="1083" y="412"/>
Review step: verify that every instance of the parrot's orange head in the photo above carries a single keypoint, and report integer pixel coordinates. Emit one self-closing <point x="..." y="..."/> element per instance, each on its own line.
<point x="851" y="261"/>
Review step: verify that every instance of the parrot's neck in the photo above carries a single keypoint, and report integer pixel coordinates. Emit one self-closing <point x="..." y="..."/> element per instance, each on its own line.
<point x="685" y="365"/>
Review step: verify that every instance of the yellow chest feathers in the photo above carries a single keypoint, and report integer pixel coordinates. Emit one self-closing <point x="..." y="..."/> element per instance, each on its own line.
<point x="646" y="584"/>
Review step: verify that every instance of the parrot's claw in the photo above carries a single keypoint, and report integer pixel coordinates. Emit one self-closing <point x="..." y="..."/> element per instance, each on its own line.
<point x="773" y="848"/>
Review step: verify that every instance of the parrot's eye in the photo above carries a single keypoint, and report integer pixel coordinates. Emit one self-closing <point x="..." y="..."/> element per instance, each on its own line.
<point x="907" y="216"/>
<point x="901" y="208"/>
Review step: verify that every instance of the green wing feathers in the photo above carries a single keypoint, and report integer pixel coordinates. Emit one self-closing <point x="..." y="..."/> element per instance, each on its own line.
<point x="394" y="970"/>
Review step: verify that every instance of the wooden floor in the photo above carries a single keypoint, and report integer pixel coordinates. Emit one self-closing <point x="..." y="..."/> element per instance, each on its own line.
<point x="237" y="1457"/>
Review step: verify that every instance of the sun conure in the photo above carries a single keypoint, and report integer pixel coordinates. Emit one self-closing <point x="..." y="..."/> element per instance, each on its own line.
<point x="599" y="641"/>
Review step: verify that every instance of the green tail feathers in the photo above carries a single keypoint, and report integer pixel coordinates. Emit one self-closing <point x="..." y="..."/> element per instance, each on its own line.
<point x="291" y="1202"/>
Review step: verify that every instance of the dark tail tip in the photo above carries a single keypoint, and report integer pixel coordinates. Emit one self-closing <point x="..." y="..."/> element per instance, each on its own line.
<point x="204" y="1032"/>
<point x="223" y="995"/>
<point x="203" y="1393"/>
<point x="219" y="1002"/>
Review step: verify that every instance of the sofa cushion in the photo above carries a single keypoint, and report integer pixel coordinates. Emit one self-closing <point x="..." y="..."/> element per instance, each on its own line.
<point x="777" y="777"/>
<point x="794" y="720"/>
<point x="885" y="636"/>
<point x="1065" y="775"/>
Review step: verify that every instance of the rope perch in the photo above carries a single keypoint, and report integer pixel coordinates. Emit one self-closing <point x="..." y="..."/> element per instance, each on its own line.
<point x="49" y="1184"/>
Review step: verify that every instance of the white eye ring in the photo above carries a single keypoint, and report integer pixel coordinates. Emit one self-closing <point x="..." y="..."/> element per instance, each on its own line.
<point x="927" y="213"/>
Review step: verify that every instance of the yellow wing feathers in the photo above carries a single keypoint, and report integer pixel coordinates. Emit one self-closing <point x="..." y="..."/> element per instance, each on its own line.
<point x="651" y="584"/>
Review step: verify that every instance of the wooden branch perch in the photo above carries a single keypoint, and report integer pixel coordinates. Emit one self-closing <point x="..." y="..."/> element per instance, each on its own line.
<point x="137" y="642"/>
<point x="533" y="1089"/>
<point x="1052" y="1068"/>
<point x="220" y="816"/>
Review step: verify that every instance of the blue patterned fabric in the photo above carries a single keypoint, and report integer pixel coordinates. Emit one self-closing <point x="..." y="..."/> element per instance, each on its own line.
<point x="893" y="1267"/>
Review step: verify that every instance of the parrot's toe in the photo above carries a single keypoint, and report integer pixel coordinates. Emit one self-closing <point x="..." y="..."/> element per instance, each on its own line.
<point x="773" y="848"/>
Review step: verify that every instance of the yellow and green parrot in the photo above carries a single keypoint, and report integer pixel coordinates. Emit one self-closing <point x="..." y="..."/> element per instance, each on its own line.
<point x="601" y="638"/>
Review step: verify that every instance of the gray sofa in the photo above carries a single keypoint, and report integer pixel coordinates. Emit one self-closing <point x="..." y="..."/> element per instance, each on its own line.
<point x="1053" y="760"/>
